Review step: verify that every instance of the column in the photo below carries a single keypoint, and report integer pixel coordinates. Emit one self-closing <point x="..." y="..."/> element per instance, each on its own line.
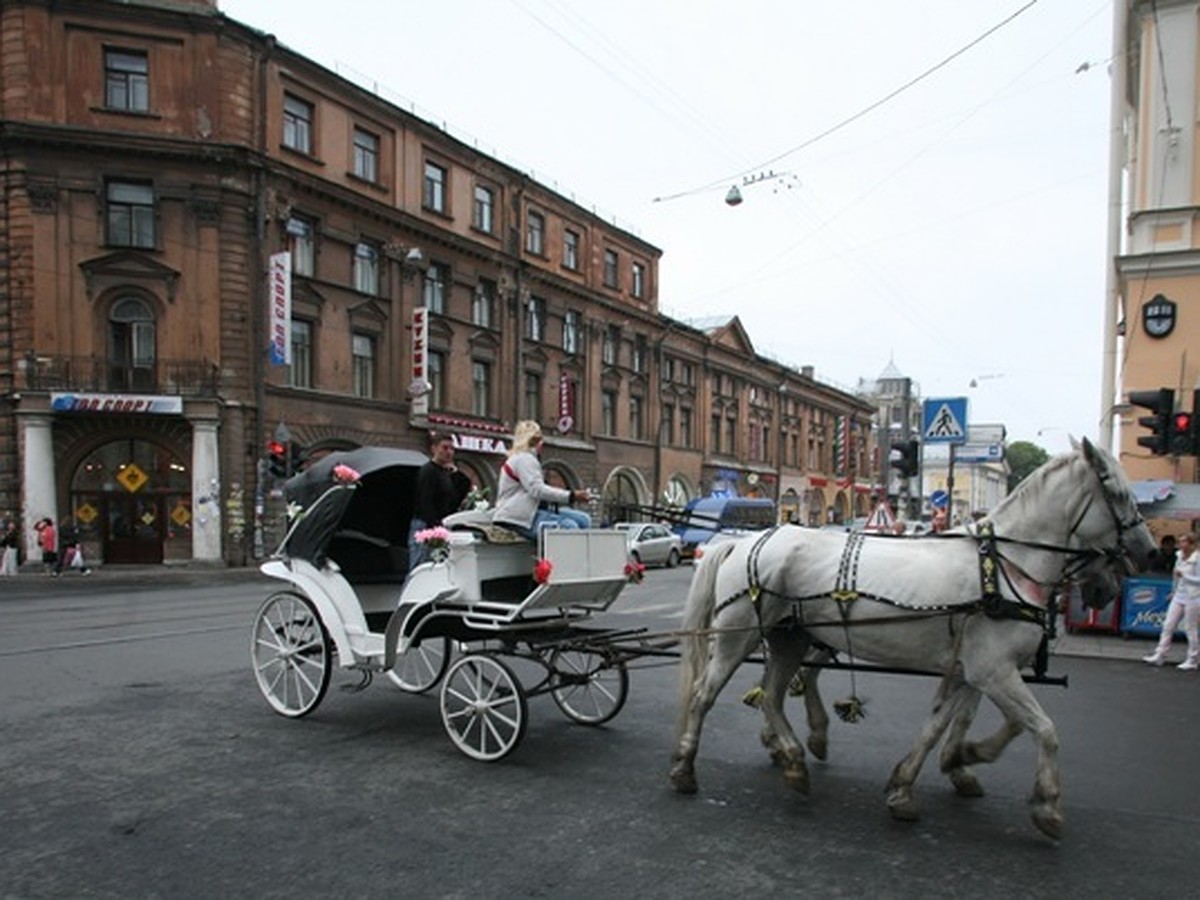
<point x="40" y="492"/>
<point x="206" y="492"/>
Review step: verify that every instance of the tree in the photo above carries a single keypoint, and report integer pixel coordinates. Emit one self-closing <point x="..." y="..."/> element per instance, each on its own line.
<point x="1023" y="457"/>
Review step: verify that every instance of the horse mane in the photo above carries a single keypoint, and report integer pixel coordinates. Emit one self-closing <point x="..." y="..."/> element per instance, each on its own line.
<point x="1027" y="492"/>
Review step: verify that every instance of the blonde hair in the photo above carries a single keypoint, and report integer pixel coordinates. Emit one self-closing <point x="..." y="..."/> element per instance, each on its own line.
<point x="526" y="436"/>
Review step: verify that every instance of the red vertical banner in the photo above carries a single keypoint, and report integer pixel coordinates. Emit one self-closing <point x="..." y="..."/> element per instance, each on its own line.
<point x="419" y="389"/>
<point x="566" y="404"/>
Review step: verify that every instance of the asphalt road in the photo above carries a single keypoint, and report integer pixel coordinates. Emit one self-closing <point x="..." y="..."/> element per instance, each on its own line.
<point x="138" y="760"/>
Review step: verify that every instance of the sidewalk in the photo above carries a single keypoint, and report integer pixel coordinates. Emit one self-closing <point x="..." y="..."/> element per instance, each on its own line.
<point x="32" y="581"/>
<point x="1100" y="645"/>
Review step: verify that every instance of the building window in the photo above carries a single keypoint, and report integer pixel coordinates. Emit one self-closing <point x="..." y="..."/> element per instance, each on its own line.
<point x="533" y="397"/>
<point x="608" y="349"/>
<point x="685" y="427"/>
<point x="433" y="288"/>
<point x="434" y="196"/>
<point x="571" y="249"/>
<point x="639" y="354"/>
<point x="363" y="353"/>
<point x="730" y="434"/>
<point x="666" y="431"/>
<point x="481" y="388"/>
<point x="638" y="280"/>
<point x="297" y="124"/>
<point x="366" y="268"/>
<point x="366" y="155"/>
<point x="483" y="303"/>
<point x="571" y="331"/>
<point x="535" y="234"/>
<point x="485" y="204"/>
<point x="131" y="346"/>
<point x="714" y="439"/>
<point x="689" y="375"/>
<point x="302" y="354"/>
<point x="436" y="373"/>
<point x="610" y="268"/>
<point x="535" y="319"/>
<point x="668" y="369"/>
<point x="130" y="214"/>
<point x="126" y="80"/>
<point x="301" y="244"/>
<point x="608" y="412"/>
<point x="636" y="419"/>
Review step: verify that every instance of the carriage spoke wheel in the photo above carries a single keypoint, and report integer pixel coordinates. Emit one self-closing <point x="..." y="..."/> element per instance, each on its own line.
<point x="419" y="668"/>
<point x="483" y="707"/>
<point x="587" y="688"/>
<point x="291" y="654"/>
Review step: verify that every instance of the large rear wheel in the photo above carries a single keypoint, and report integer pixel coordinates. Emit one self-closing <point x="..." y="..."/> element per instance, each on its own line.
<point x="483" y="707"/>
<point x="291" y="653"/>
<point x="587" y="688"/>
<point x="419" y="668"/>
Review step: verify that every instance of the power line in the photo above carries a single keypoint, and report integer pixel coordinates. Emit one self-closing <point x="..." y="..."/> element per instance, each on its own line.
<point x="856" y="116"/>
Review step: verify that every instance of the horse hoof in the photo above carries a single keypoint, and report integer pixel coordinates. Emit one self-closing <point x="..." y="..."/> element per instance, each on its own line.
<point x="1049" y="823"/>
<point x="684" y="782"/>
<point x="965" y="783"/>
<point x="902" y="806"/>
<point x="797" y="778"/>
<point x="818" y="747"/>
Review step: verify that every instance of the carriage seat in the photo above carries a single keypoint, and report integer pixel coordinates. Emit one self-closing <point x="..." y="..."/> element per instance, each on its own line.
<point x="480" y="522"/>
<point x="368" y="559"/>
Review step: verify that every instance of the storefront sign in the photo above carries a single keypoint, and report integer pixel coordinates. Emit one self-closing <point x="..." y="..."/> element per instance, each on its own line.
<point x="566" y="405"/>
<point x="479" y="444"/>
<point x="419" y="389"/>
<point x="117" y="403"/>
<point x="279" y="293"/>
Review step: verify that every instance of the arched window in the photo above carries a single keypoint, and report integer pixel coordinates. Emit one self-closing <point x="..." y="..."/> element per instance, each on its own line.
<point x="131" y="350"/>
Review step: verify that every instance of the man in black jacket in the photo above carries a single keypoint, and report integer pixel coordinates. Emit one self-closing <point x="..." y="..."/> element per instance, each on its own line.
<point x="441" y="489"/>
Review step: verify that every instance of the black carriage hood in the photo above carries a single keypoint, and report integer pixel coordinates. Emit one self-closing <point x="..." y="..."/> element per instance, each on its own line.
<point x="380" y="506"/>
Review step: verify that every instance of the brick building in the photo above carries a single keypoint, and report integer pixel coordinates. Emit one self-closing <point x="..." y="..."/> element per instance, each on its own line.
<point x="159" y="160"/>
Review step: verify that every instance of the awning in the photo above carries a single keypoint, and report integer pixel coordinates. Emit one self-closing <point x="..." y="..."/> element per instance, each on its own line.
<point x="1152" y="490"/>
<point x="1168" y="500"/>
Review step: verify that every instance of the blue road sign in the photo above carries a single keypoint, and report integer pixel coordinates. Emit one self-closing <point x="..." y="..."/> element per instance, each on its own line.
<point x="944" y="420"/>
<point x="939" y="499"/>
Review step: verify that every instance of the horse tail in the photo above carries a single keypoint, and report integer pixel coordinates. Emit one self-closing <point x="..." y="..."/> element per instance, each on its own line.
<point x="696" y="643"/>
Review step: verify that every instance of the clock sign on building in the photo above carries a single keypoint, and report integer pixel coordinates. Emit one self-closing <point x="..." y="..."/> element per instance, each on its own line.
<point x="1158" y="316"/>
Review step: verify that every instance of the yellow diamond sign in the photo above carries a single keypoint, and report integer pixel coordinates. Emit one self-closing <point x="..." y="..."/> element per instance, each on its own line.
<point x="132" y="478"/>
<point x="181" y="515"/>
<point x="148" y="518"/>
<point x="86" y="514"/>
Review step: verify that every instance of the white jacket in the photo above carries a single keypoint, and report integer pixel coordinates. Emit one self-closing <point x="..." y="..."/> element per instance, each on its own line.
<point x="1187" y="585"/>
<point x="522" y="488"/>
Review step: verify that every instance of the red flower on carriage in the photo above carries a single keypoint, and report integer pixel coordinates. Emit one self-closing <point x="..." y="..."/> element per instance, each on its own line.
<point x="343" y="474"/>
<point x="634" y="572"/>
<point x="541" y="571"/>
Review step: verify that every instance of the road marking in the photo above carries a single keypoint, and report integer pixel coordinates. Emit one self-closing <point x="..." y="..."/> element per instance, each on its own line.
<point x="652" y="608"/>
<point x="100" y="642"/>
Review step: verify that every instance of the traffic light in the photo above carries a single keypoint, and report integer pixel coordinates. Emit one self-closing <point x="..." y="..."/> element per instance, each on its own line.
<point x="1161" y="403"/>
<point x="277" y="459"/>
<point x="1181" y="434"/>
<point x="906" y="457"/>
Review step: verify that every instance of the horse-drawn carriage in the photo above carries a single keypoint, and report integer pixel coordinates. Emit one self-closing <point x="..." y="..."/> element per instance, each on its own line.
<point x="353" y="601"/>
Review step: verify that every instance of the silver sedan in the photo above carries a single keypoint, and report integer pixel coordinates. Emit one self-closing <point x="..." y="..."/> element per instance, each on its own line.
<point x="652" y="544"/>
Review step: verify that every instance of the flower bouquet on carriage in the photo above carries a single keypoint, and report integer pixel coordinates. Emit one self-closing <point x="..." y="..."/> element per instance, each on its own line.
<point x="436" y="540"/>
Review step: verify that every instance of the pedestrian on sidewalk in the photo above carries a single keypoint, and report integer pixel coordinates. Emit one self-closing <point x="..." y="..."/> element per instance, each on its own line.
<point x="48" y="541"/>
<point x="70" y="554"/>
<point x="1185" y="605"/>
<point x="8" y="563"/>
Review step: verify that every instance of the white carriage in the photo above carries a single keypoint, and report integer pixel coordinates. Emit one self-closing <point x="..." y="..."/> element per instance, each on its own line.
<point x="467" y="621"/>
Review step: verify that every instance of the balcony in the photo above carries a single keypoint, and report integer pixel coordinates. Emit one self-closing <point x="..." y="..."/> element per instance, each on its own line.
<point x="171" y="377"/>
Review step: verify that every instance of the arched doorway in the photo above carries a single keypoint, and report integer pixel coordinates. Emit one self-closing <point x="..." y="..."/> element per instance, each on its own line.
<point x="132" y="502"/>
<point x="621" y="497"/>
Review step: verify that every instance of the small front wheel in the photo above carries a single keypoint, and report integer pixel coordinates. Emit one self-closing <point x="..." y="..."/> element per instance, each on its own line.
<point x="291" y="654"/>
<point x="587" y="687"/>
<point x="419" y="668"/>
<point x="483" y="707"/>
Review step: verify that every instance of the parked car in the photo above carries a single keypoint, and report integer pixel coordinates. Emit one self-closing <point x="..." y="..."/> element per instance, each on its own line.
<point x="707" y="516"/>
<point x="652" y="544"/>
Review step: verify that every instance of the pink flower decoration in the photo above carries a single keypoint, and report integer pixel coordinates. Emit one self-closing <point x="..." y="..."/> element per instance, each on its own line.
<point x="343" y="474"/>
<point x="542" y="570"/>
<point x="634" y="572"/>
<point x="437" y="536"/>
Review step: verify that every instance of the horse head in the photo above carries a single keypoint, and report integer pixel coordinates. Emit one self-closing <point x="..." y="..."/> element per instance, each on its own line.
<point x="1113" y="525"/>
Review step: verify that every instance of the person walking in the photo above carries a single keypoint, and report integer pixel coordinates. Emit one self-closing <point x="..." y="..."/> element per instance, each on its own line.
<point x="71" y="554"/>
<point x="1185" y="605"/>
<point x="441" y="489"/>
<point x="523" y="499"/>
<point x="8" y="563"/>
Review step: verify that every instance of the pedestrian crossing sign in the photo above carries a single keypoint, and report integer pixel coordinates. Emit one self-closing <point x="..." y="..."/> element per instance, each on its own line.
<point x="944" y="420"/>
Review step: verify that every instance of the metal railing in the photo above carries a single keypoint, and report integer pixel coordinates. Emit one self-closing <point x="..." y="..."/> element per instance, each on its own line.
<point x="173" y="377"/>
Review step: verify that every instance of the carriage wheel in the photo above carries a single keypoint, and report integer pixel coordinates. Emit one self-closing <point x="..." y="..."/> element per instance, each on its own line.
<point x="588" y="689"/>
<point x="419" y="668"/>
<point x="291" y="654"/>
<point x="483" y="707"/>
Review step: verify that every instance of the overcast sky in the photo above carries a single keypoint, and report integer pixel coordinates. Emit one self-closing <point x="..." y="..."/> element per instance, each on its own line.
<point x="957" y="228"/>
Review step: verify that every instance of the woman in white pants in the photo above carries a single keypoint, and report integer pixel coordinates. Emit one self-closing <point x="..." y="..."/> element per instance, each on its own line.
<point x="1185" y="604"/>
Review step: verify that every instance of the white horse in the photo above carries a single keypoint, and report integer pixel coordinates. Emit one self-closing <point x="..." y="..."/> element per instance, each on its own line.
<point x="971" y="606"/>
